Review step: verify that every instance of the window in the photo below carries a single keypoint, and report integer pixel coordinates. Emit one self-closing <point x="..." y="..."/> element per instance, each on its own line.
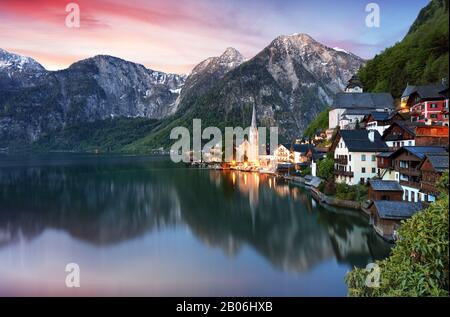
<point x="433" y="116"/>
<point x="410" y="143"/>
<point x="433" y="105"/>
<point x="349" y="168"/>
<point x="349" y="158"/>
<point x="406" y="194"/>
<point x="374" y="158"/>
<point x="363" y="157"/>
<point x="363" y="170"/>
<point x="374" y="170"/>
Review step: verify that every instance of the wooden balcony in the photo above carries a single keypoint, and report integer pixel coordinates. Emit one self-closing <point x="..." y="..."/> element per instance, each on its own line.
<point x="343" y="173"/>
<point x="429" y="188"/>
<point x="409" y="171"/>
<point x="410" y="184"/>
<point x="343" y="160"/>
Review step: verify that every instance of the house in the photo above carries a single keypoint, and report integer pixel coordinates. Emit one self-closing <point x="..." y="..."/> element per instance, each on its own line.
<point x="405" y="162"/>
<point x="385" y="190"/>
<point x="431" y="135"/>
<point x="400" y="133"/>
<point x="427" y="104"/>
<point x="299" y="153"/>
<point x="355" y="155"/>
<point x="352" y="118"/>
<point x="363" y="102"/>
<point x="431" y="168"/>
<point x="385" y="166"/>
<point x="386" y="216"/>
<point x="380" y="121"/>
<point x="283" y="153"/>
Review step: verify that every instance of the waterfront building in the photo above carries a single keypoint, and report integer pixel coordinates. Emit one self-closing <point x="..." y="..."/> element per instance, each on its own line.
<point x="355" y="155"/>
<point x="385" y="190"/>
<point x="386" y="216"/>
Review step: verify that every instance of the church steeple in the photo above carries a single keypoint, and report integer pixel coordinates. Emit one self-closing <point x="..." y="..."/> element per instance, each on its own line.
<point x="254" y="118"/>
<point x="254" y="139"/>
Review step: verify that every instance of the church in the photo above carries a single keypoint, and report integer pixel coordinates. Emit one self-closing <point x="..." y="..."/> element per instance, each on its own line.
<point x="248" y="151"/>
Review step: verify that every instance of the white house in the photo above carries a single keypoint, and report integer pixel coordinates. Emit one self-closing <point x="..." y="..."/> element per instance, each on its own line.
<point x="355" y="154"/>
<point x="358" y="102"/>
<point x="283" y="153"/>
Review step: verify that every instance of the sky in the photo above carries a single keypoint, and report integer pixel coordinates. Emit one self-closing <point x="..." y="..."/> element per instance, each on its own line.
<point x="175" y="35"/>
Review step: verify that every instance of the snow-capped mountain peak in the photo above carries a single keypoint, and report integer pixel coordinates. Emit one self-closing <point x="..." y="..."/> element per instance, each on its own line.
<point x="15" y="62"/>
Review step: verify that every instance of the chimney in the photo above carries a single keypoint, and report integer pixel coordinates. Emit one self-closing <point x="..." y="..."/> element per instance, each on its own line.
<point x="372" y="136"/>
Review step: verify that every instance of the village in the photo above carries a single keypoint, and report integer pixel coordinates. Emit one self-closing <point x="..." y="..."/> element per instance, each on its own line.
<point x="378" y="155"/>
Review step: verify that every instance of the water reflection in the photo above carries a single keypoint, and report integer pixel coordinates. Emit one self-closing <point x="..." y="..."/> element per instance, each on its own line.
<point x="109" y="201"/>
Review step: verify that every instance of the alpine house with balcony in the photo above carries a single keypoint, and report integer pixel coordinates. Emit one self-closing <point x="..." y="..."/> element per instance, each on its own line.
<point x="355" y="155"/>
<point x="406" y="165"/>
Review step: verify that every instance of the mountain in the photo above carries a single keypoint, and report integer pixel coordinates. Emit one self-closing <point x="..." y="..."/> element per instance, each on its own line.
<point x="420" y="58"/>
<point x="206" y="74"/>
<point x="34" y="102"/>
<point x="18" y="71"/>
<point x="290" y="82"/>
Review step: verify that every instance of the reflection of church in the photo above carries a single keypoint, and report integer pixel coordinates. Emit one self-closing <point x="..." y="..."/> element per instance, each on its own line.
<point x="248" y="150"/>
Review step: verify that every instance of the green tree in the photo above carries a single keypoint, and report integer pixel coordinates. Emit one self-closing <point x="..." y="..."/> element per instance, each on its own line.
<point x="419" y="263"/>
<point x="326" y="168"/>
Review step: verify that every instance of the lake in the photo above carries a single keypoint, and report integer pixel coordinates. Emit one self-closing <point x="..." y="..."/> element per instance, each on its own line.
<point x="143" y="226"/>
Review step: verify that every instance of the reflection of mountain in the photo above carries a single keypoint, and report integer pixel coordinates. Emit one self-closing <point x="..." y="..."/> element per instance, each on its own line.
<point x="105" y="204"/>
<point x="92" y="204"/>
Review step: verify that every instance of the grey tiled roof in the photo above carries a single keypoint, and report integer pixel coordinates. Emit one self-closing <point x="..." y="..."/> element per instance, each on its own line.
<point x="426" y="91"/>
<point x="380" y="185"/>
<point x="421" y="151"/>
<point x="396" y="210"/>
<point x="366" y="100"/>
<point x="358" y="141"/>
<point x="439" y="162"/>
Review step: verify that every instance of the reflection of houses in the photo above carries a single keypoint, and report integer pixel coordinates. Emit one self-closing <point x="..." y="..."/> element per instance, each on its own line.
<point x="355" y="155"/>
<point x="387" y="215"/>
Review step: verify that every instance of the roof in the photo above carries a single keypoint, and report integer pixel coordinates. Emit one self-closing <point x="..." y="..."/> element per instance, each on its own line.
<point x="358" y="141"/>
<point x="385" y="154"/>
<point x="431" y="91"/>
<point x="380" y="185"/>
<point x="421" y="151"/>
<point x="408" y="126"/>
<point x="356" y="112"/>
<point x="439" y="162"/>
<point x="396" y="210"/>
<point x="302" y="148"/>
<point x="381" y="115"/>
<point x="365" y="100"/>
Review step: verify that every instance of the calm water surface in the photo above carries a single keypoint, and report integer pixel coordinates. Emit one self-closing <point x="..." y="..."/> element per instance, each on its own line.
<point x="141" y="226"/>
